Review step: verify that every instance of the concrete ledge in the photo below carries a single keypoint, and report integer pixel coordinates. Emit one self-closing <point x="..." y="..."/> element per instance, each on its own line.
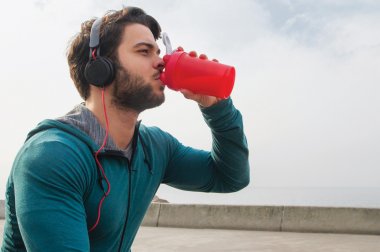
<point x="151" y="216"/>
<point x="331" y="220"/>
<point x="266" y="218"/>
<point x="221" y="217"/>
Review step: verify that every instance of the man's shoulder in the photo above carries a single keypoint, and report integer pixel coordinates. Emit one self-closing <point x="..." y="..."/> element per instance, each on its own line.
<point x="54" y="144"/>
<point x="157" y="138"/>
<point x="51" y="152"/>
<point x="51" y="132"/>
<point x="154" y="132"/>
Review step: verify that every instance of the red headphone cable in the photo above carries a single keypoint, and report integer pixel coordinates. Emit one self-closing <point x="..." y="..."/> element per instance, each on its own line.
<point x="100" y="165"/>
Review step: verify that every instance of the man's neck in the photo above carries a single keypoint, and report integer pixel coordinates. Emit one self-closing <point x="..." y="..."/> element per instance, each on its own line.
<point x="121" y="122"/>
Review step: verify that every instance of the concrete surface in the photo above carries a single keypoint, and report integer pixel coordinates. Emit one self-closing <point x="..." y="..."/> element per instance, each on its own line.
<point x="209" y="240"/>
<point x="1" y="229"/>
<point x="265" y="218"/>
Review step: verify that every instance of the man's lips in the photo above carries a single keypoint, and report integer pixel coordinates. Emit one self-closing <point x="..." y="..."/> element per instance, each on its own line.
<point x="156" y="76"/>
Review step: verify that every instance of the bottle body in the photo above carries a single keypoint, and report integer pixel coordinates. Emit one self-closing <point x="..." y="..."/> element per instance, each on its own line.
<point x="199" y="75"/>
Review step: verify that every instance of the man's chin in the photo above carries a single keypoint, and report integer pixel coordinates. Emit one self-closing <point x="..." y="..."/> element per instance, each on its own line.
<point x="159" y="91"/>
<point x="160" y="84"/>
<point x="157" y="99"/>
<point x="161" y="99"/>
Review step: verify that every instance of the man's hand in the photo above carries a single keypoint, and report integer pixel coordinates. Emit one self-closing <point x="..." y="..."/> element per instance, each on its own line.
<point x="203" y="100"/>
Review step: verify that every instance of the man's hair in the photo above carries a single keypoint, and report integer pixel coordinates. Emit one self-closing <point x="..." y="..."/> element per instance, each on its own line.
<point x="111" y="32"/>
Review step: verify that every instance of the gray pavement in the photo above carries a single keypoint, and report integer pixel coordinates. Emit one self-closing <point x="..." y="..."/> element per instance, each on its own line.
<point x="161" y="239"/>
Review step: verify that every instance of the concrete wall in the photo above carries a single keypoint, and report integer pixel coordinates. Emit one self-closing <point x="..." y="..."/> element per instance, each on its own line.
<point x="264" y="218"/>
<point x="267" y="218"/>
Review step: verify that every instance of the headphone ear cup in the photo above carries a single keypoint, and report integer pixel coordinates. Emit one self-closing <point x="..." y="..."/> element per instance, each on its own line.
<point x="99" y="72"/>
<point x="111" y="71"/>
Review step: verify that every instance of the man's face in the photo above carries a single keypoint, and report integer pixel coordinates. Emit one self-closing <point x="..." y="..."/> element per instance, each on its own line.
<point x="137" y="85"/>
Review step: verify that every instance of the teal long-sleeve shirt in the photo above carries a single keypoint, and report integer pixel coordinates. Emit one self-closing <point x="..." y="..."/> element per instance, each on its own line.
<point x="55" y="186"/>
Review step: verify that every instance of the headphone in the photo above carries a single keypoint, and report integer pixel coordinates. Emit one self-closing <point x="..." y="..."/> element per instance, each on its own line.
<point x="99" y="70"/>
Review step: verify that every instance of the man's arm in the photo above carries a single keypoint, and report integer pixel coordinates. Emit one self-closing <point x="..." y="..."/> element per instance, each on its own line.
<point x="49" y="185"/>
<point x="226" y="167"/>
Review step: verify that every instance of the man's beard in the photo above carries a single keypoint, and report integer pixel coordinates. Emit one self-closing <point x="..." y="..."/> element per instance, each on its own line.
<point x="132" y="92"/>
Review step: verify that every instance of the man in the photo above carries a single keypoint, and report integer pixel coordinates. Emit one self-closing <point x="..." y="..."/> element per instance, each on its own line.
<point x="85" y="180"/>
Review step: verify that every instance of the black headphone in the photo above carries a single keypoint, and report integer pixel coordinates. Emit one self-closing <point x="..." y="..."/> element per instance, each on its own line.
<point x="99" y="70"/>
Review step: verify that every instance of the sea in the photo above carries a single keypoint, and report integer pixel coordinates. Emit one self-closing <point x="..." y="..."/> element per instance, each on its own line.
<point x="357" y="197"/>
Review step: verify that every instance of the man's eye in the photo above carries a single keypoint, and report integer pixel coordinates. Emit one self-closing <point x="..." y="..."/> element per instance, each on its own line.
<point x="144" y="51"/>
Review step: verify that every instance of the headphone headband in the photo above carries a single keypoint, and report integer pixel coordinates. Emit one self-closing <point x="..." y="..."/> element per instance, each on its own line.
<point x="95" y="33"/>
<point x="99" y="71"/>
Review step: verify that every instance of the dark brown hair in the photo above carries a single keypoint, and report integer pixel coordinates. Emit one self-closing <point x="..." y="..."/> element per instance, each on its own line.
<point x="111" y="32"/>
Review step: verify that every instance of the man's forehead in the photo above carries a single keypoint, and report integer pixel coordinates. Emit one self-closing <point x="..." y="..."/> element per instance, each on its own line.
<point x="145" y="43"/>
<point x="137" y="34"/>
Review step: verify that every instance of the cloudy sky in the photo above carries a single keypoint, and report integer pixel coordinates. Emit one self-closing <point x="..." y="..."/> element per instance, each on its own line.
<point x="308" y="75"/>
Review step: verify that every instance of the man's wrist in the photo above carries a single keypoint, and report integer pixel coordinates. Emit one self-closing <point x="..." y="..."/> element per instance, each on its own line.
<point x="209" y="102"/>
<point x="216" y="107"/>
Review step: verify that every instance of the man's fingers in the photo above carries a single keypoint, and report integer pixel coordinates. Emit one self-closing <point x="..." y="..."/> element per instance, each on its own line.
<point x="187" y="93"/>
<point x="193" y="54"/>
<point x="190" y="95"/>
<point x="203" y="56"/>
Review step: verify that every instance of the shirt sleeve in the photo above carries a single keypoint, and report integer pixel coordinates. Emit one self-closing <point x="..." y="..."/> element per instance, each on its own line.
<point x="49" y="185"/>
<point x="223" y="169"/>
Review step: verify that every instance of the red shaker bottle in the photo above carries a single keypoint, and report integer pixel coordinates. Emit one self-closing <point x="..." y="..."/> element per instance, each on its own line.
<point x="201" y="76"/>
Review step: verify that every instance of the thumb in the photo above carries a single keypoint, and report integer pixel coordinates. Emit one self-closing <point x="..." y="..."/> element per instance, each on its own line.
<point x="187" y="93"/>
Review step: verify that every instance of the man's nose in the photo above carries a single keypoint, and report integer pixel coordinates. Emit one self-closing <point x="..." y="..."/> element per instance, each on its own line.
<point x="159" y="64"/>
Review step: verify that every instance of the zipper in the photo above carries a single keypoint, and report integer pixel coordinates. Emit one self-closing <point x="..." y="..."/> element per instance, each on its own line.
<point x="134" y="146"/>
<point x="128" y="206"/>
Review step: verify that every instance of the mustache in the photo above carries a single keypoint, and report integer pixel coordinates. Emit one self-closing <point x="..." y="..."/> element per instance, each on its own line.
<point x="156" y="75"/>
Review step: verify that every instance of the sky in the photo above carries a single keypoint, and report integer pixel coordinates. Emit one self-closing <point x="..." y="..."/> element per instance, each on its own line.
<point x="307" y="82"/>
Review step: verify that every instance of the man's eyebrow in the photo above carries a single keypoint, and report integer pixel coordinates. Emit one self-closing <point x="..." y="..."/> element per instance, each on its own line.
<point x="151" y="46"/>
